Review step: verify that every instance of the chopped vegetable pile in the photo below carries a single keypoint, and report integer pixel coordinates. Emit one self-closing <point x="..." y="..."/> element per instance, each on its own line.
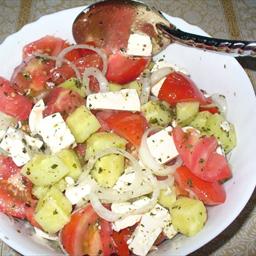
<point x="109" y="153"/>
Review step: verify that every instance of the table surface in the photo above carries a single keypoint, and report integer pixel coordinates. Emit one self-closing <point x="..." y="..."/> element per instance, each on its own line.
<point x="234" y="19"/>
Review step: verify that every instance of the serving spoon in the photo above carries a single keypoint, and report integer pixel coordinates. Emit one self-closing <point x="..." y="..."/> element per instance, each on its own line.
<point x="108" y="24"/>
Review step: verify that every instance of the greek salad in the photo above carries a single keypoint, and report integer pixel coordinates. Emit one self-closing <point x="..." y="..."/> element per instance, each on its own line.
<point x="109" y="154"/>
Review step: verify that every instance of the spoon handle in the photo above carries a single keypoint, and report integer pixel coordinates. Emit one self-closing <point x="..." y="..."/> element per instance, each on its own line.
<point x="237" y="47"/>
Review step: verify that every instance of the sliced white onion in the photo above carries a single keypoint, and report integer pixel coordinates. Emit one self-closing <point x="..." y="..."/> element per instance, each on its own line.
<point x="149" y="161"/>
<point x="102" y="211"/>
<point x="103" y="83"/>
<point x="221" y="102"/>
<point x="157" y="75"/>
<point x="146" y="87"/>
<point x="101" y="53"/>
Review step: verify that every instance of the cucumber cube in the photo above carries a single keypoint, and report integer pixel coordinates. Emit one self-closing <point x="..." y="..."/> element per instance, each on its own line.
<point x="186" y="111"/>
<point x="82" y="124"/>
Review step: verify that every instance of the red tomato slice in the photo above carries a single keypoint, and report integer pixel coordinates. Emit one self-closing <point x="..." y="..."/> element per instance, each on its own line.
<point x="7" y="167"/>
<point x="34" y="75"/>
<point x="13" y="104"/>
<point x="177" y="87"/>
<point x="48" y="45"/>
<point x="62" y="100"/>
<point x="199" y="155"/>
<point x="108" y="246"/>
<point x="15" y="201"/>
<point x="120" y="238"/>
<point x="212" y="110"/>
<point x="77" y="236"/>
<point x="122" y="69"/>
<point x="211" y="193"/>
<point x="129" y="125"/>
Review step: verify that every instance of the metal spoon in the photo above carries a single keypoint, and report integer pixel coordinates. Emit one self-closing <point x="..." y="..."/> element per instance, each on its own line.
<point x="108" y="24"/>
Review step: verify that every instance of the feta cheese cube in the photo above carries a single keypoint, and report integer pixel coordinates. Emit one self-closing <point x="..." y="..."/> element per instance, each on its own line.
<point x="19" y="145"/>
<point x="150" y="227"/>
<point x="55" y="132"/>
<point x="139" y="45"/>
<point x="126" y="99"/>
<point x="162" y="146"/>
<point x="225" y="126"/>
<point x="36" y="116"/>
<point x="169" y="230"/>
<point x="75" y="193"/>
<point x="125" y="207"/>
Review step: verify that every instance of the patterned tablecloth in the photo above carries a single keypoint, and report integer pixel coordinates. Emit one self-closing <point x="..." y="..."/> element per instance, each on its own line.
<point x="220" y="18"/>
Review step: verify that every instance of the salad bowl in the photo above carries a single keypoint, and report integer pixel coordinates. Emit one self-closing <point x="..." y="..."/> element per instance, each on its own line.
<point x="214" y="73"/>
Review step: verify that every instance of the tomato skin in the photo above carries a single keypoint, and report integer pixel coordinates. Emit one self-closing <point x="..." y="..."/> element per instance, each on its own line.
<point x="108" y="246"/>
<point x="47" y="45"/>
<point x="120" y="238"/>
<point x="211" y="193"/>
<point x="74" y="233"/>
<point x="122" y="69"/>
<point x="62" y="100"/>
<point x="212" y="110"/>
<point x="13" y="104"/>
<point x="7" y="167"/>
<point x="177" y="87"/>
<point x="199" y="155"/>
<point x="129" y="125"/>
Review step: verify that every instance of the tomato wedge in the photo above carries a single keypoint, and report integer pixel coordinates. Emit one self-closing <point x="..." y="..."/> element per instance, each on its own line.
<point x="13" y="104"/>
<point x="122" y="69"/>
<point x="87" y="234"/>
<point x="178" y="87"/>
<point x="81" y="236"/>
<point x="211" y="193"/>
<point x="7" y="167"/>
<point x="129" y="125"/>
<point x="62" y="100"/>
<point x="120" y="238"/>
<point x="199" y="155"/>
<point x="47" y="45"/>
<point x="16" y="201"/>
<point x="32" y="75"/>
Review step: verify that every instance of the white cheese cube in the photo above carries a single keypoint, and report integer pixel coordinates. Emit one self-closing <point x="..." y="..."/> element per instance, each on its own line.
<point x="150" y="227"/>
<point x="124" y="180"/>
<point x="169" y="230"/>
<point x="139" y="45"/>
<point x="75" y="193"/>
<point x="55" y="132"/>
<point x="162" y="146"/>
<point x="19" y="145"/>
<point x="36" y="116"/>
<point x="126" y="99"/>
<point x="122" y="208"/>
<point x="225" y="126"/>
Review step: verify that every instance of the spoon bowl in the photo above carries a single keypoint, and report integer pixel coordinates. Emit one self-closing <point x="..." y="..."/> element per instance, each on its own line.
<point x="108" y="25"/>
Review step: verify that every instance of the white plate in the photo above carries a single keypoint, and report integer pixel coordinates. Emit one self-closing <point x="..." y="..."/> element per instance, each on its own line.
<point x="212" y="72"/>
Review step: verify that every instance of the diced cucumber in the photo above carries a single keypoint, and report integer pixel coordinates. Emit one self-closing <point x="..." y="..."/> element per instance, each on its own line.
<point x="39" y="191"/>
<point x="132" y="85"/>
<point x="82" y="124"/>
<point x="167" y="197"/>
<point x="44" y="170"/>
<point x="53" y="211"/>
<point x="108" y="169"/>
<point x="74" y="85"/>
<point x="157" y="113"/>
<point x="103" y="140"/>
<point x="188" y="216"/>
<point x="200" y="120"/>
<point x="226" y="137"/>
<point x="70" y="158"/>
<point x="186" y="111"/>
<point x="61" y="185"/>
